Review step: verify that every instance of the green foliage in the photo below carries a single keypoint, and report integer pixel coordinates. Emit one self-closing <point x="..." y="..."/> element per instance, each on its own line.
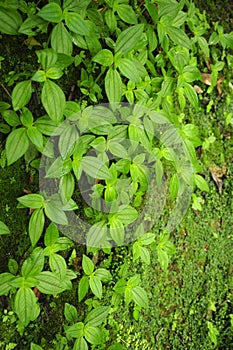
<point x="142" y="66"/>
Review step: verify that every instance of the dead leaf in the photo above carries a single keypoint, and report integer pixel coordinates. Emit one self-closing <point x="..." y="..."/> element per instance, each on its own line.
<point x="198" y="89"/>
<point x="206" y="78"/>
<point x="220" y="80"/>
<point x="217" y="173"/>
<point x="31" y="41"/>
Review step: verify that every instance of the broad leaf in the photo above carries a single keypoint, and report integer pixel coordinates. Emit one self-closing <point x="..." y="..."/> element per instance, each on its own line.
<point x="83" y="287"/>
<point x="10" y="21"/>
<point x="104" y="57"/>
<point x="55" y="214"/>
<point x="76" y="24"/>
<point x="47" y="58"/>
<point x="75" y="331"/>
<point x="58" y="265"/>
<point x="96" y="286"/>
<point x="36" y="226"/>
<point x="34" y="264"/>
<point x="33" y="201"/>
<point x="4" y="230"/>
<point x="35" y="137"/>
<point x="5" y="279"/>
<point x="191" y="95"/>
<point x="127" y="214"/>
<point x="21" y="94"/>
<point x="49" y="283"/>
<point x="61" y="40"/>
<point x="96" y="168"/>
<point x="97" y="316"/>
<point x="51" y="235"/>
<point x="87" y="265"/>
<point x="127" y="14"/>
<point x="53" y="100"/>
<point x="51" y="12"/>
<point x="129" y="38"/>
<point x="93" y="334"/>
<point x="71" y="313"/>
<point x="113" y="85"/>
<point x="25" y="305"/>
<point x="140" y="297"/>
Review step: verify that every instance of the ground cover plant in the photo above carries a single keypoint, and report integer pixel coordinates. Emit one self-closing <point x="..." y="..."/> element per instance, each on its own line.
<point x="116" y="123"/>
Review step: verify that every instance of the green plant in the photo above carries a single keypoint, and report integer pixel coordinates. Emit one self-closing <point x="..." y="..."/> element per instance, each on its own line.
<point x="138" y="62"/>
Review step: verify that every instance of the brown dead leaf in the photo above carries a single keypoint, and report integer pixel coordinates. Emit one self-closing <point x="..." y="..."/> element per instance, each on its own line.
<point x="198" y="89"/>
<point x="206" y="78"/>
<point x="219" y="82"/>
<point x="217" y="173"/>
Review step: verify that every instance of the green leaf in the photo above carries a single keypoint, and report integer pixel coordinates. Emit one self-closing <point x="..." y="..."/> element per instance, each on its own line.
<point x="117" y="231"/>
<point x="127" y="14"/>
<point x="46" y="126"/>
<point x="201" y="183"/>
<point x="34" y="264"/>
<point x="126" y="214"/>
<point x="96" y="286"/>
<point x="140" y="297"/>
<point x="117" y="149"/>
<point x="104" y="57"/>
<point x="97" y="316"/>
<point x="25" y="305"/>
<point x="35" y="347"/>
<point x="110" y="19"/>
<point x="178" y="36"/>
<point x="26" y="117"/>
<point x="96" y="235"/>
<point x="191" y="73"/>
<point x="33" y="201"/>
<point x="67" y="140"/>
<point x="5" y="279"/>
<point x="204" y="47"/>
<point x="17" y="144"/>
<point x="80" y="344"/>
<point x="13" y="266"/>
<point x="47" y="58"/>
<point x="10" y="21"/>
<point x="54" y="73"/>
<point x="83" y="287"/>
<point x="35" y="137"/>
<point x="11" y="118"/>
<point x="49" y="283"/>
<point x="113" y="85"/>
<point x="92" y="334"/>
<point x="51" y="235"/>
<point x="191" y="95"/>
<point x="55" y="214"/>
<point x="66" y="187"/>
<point x="129" y="38"/>
<point x="36" y="226"/>
<point x="128" y="69"/>
<point x="21" y="94"/>
<point x="70" y="312"/>
<point x="163" y="258"/>
<point x="87" y="265"/>
<point x="76" y="24"/>
<point x="4" y="230"/>
<point x="51" y="12"/>
<point x="39" y="76"/>
<point x="53" y="100"/>
<point x="58" y="265"/>
<point x="61" y="40"/>
<point x="95" y="168"/>
<point x="174" y="186"/>
<point x="75" y="331"/>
